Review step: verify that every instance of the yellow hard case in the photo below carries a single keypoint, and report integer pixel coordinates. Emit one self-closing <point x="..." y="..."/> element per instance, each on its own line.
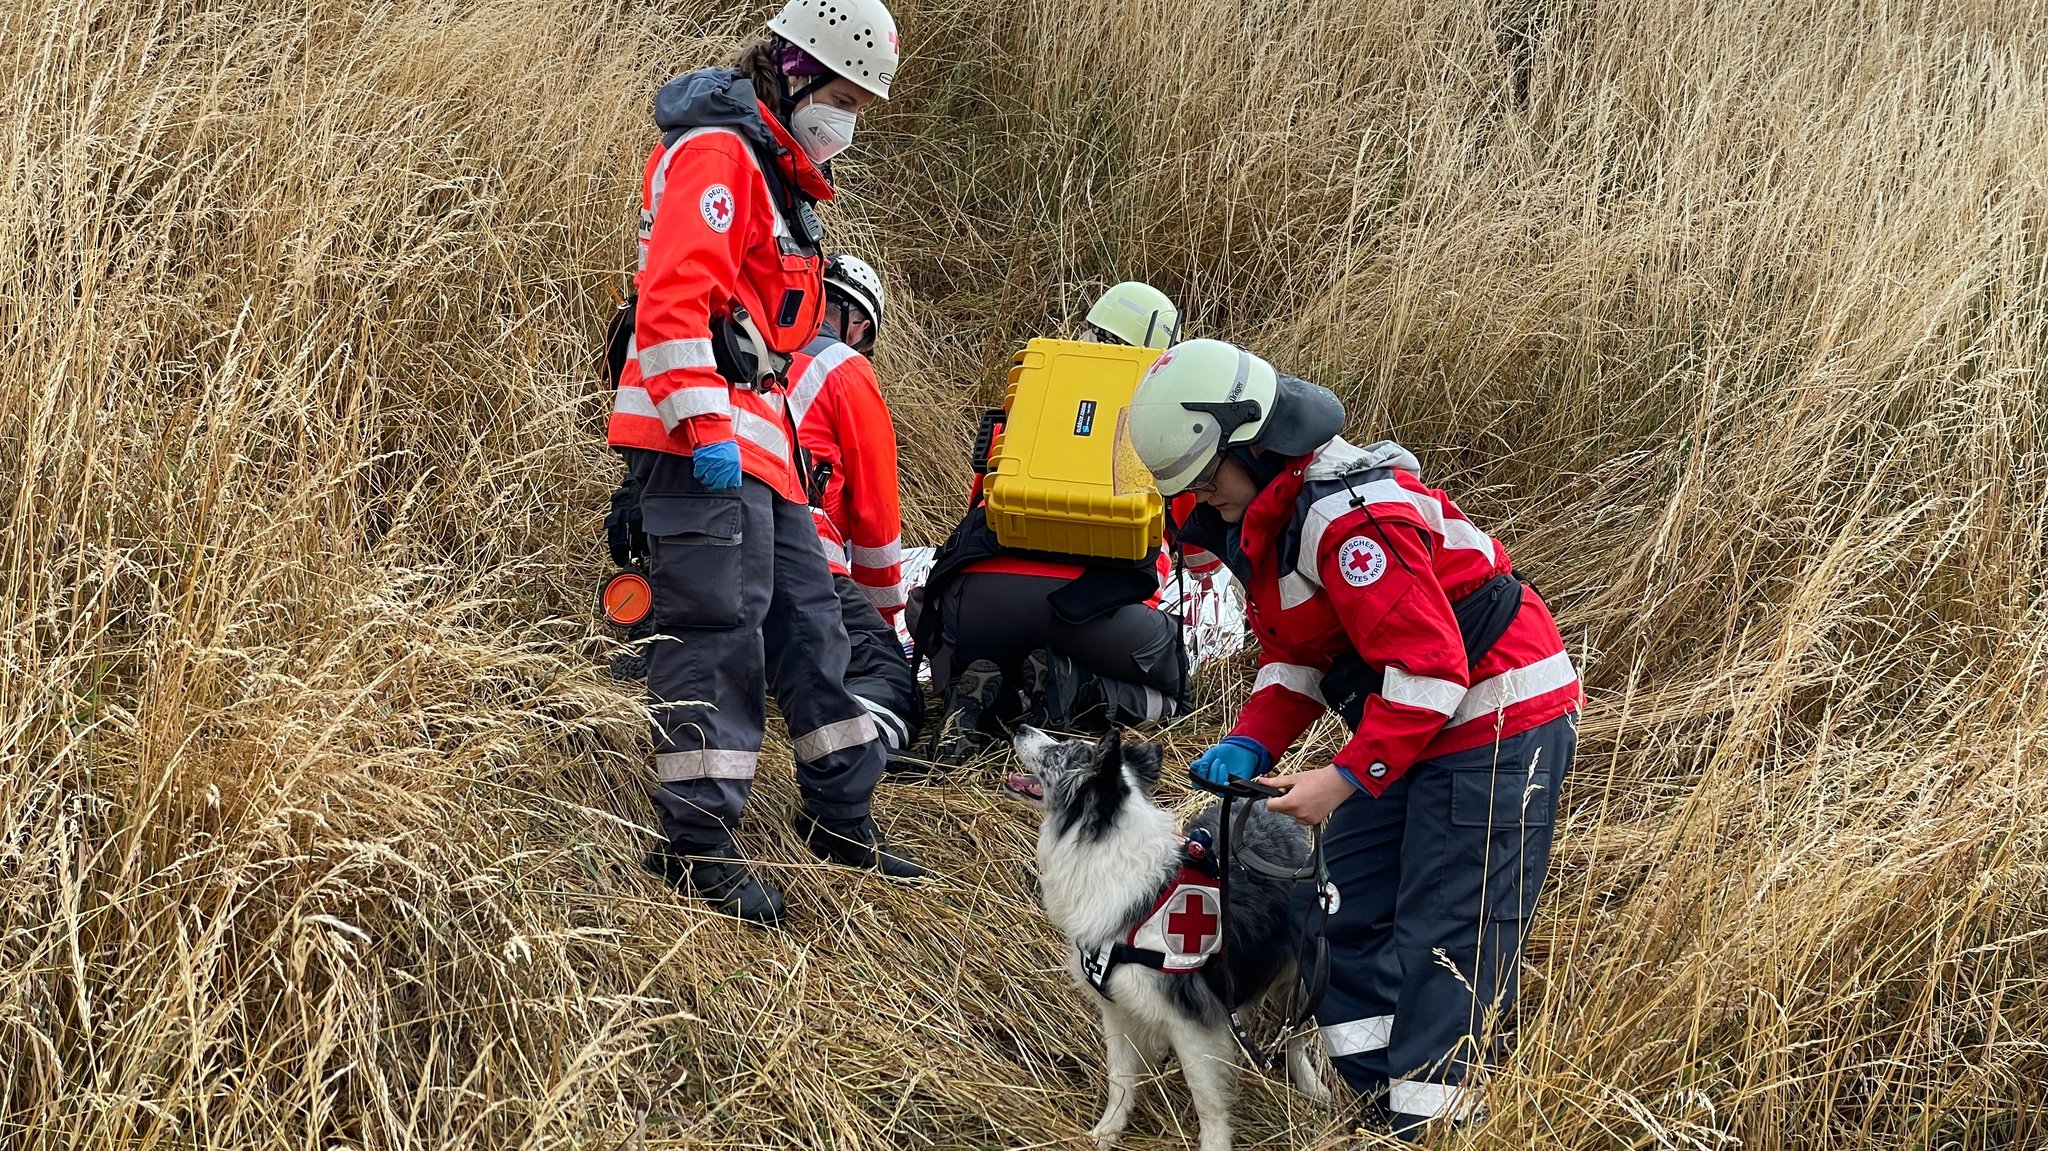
<point x="1062" y="474"/>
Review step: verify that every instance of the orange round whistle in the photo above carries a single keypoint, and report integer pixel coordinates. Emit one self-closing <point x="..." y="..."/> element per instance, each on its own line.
<point x="627" y="599"/>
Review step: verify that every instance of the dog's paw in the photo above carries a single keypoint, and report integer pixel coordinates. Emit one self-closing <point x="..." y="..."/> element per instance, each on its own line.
<point x="1315" y="1092"/>
<point x="1104" y="1135"/>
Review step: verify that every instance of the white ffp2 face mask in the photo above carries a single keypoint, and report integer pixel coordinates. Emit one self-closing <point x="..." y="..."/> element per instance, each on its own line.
<point x="822" y="130"/>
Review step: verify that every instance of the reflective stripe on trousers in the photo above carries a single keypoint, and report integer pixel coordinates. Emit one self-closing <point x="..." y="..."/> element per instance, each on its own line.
<point x="1436" y="879"/>
<point x="710" y="677"/>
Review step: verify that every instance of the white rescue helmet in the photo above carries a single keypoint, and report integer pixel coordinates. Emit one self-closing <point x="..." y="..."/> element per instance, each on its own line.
<point x="1138" y="314"/>
<point x="854" y="38"/>
<point x="852" y="275"/>
<point x="1196" y="402"/>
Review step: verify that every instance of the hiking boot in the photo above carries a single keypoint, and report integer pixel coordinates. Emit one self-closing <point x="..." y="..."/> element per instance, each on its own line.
<point x="957" y="735"/>
<point x="1067" y="696"/>
<point x="1372" y="1124"/>
<point x="855" y="843"/>
<point x="1038" y="690"/>
<point x="720" y="877"/>
<point x="628" y="665"/>
<point x="630" y="662"/>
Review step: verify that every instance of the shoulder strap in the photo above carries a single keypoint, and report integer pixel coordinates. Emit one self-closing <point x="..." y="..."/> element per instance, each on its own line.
<point x="790" y="201"/>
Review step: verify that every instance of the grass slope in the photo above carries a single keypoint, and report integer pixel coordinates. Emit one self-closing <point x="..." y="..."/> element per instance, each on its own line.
<point x="318" y="825"/>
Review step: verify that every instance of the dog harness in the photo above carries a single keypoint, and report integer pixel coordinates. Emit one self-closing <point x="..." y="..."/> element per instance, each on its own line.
<point x="1179" y="934"/>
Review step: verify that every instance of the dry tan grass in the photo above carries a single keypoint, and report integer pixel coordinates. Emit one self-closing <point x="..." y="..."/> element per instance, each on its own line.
<point x="318" y="825"/>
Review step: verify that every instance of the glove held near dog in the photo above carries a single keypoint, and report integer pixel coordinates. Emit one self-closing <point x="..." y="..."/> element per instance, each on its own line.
<point x="1235" y="758"/>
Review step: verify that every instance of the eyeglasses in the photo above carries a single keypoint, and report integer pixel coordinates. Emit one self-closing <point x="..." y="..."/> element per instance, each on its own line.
<point x="1205" y="480"/>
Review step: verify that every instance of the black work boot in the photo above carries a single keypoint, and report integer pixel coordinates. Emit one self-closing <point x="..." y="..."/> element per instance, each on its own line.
<point x="1073" y="698"/>
<point x="629" y="663"/>
<point x="720" y="877"/>
<point x="956" y="736"/>
<point x="1038" y="688"/>
<point x="855" y="843"/>
<point x="1373" y="1119"/>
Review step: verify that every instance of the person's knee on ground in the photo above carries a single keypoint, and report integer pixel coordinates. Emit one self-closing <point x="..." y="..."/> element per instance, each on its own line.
<point x="878" y="673"/>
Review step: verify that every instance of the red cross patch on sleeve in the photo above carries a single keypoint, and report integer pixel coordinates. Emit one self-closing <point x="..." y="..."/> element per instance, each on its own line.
<point x="1363" y="561"/>
<point x="717" y="206"/>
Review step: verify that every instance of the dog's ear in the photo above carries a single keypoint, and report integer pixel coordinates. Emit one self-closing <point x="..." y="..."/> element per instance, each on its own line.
<point x="1144" y="761"/>
<point x="1109" y="752"/>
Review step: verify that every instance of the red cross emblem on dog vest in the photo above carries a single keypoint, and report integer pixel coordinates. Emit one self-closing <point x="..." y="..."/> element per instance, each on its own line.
<point x="1186" y="925"/>
<point x="1190" y="922"/>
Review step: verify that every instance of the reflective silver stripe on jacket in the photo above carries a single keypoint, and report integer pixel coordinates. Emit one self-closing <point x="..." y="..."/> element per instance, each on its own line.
<point x="1302" y="579"/>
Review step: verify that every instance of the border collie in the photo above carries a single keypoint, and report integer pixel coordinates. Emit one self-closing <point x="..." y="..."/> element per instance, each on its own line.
<point x="1109" y="861"/>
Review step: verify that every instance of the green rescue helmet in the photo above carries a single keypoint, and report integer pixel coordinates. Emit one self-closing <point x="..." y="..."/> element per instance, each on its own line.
<point x="1195" y="402"/>
<point x="1136" y="314"/>
<point x="1204" y="398"/>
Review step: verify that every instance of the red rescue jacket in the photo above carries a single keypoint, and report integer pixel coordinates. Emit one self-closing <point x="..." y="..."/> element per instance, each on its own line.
<point x="1350" y="551"/>
<point x="711" y="239"/>
<point x="843" y="423"/>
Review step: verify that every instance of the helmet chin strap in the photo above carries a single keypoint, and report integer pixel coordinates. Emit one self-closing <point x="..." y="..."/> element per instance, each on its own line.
<point x="789" y="100"/>
<point x="1229" y="415"/>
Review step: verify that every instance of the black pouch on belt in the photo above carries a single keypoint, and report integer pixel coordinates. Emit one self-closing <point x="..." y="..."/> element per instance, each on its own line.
<point x="1483" y="617"/>
<point x="732" y="352"/>
<point x="622" y="528"/>
<point x="618" y="335"/>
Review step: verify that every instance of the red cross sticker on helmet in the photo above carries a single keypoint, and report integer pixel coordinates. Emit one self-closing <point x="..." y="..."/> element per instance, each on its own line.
<point x="717" y="206"/>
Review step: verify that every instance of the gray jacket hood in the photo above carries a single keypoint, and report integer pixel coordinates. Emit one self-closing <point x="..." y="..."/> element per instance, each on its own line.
<point x="1340" y="457"/>
<point x="712" y="98"/>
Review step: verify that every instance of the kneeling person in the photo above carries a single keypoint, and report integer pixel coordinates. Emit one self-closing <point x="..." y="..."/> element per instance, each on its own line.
<point x="843" y="423"/>
<point x="1068" y="643"/>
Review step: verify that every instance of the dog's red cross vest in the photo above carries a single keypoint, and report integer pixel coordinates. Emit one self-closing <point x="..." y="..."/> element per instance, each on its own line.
<point x="1181" y="932"/>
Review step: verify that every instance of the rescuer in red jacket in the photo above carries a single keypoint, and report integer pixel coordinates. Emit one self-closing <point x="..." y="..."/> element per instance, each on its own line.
<point x="843" y="423"/>
<point x="730" y="287"/>
<point x="1372" y="595"/>
<point x="1072" y="643"/>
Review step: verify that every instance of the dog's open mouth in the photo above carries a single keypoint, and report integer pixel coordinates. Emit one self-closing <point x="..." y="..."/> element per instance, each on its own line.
<point x="1025" y="786"/>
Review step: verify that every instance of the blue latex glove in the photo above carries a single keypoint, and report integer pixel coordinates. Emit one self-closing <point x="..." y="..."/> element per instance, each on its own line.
<point x="717" y="466"/>
<point x="1235" y="758"/>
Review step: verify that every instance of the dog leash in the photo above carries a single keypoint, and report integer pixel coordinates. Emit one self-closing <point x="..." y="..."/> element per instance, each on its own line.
<point x="1309" y="986"/>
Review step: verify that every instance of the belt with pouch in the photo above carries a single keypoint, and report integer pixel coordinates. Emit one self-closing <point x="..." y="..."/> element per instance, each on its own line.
<point x="742" y="355"/>
<point x="1483" y="617"/>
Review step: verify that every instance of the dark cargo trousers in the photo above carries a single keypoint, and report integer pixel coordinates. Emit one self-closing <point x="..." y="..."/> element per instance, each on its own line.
<point x="736" y="574"/>
<point x="879" y="673"/>
<point x="1436" y="881"/>
<point x="1133" y="653"/>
